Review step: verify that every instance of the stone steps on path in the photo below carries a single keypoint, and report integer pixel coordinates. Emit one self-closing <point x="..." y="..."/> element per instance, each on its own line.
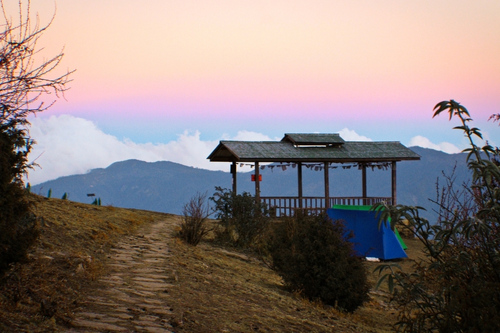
<point x="133" y="297"/>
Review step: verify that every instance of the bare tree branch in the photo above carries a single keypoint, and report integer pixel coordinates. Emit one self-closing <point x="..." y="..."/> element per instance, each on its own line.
<point x="24" y="82"/>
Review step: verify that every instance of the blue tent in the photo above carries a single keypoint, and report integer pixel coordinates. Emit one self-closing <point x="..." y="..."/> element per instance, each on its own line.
<point x="369" y="240"/>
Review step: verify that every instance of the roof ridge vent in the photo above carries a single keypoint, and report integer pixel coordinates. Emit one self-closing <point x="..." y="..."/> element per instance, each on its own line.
<point x="314" y="139"/>
<point x="323" y="145"/>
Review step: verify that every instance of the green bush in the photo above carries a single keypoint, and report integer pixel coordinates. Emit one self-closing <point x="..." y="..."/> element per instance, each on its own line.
<point x="313" y="255"/>
<point x="17" y="224"/>
<point x="456" y="286"/>
<point x="194" y="222"/>
<point x="243" y="220"/>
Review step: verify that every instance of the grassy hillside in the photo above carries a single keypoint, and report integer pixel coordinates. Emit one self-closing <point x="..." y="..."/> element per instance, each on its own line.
<point x="41" y="294"/>
<point x="214" y="288"/>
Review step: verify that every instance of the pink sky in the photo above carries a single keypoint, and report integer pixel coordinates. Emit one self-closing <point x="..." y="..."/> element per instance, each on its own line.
<point x="149" y="70"/>
<point x="278" y="59"/>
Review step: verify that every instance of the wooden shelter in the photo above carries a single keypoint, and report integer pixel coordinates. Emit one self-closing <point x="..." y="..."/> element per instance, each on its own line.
<point x="306" y="149"/>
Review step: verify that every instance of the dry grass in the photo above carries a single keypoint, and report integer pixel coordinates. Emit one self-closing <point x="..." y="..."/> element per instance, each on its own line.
<point x="40" y="294"/>
<point x="223" y="290"/>
<point x="214" y="289"/>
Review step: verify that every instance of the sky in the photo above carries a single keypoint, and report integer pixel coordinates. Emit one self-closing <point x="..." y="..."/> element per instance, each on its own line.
<point x="167" y="79"/>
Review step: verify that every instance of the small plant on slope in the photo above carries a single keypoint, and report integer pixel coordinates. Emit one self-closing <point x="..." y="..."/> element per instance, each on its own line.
<point x="243" y="219"/>
<point x="194" y="221"/>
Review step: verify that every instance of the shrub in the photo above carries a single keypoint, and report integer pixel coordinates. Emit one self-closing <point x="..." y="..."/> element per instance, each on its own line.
<point x="194" y="222"/>
<point x="313" y="255"/>
<point x="243" y="219"/>
<point x="17" y="224"/>
<point x="456" y="286"/>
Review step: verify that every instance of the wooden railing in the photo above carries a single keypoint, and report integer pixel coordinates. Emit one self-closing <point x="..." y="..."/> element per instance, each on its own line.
<point x="288" y="206"/>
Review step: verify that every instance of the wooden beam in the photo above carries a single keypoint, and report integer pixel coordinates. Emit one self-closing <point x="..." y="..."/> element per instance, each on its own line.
<point x="233" y="173"/>
<point x="363" y="177"/>
<point x="299" y="180"/>
<point x="327" y="184"/>
<point x="393" y="183"/>
<point x="257" y="182"/>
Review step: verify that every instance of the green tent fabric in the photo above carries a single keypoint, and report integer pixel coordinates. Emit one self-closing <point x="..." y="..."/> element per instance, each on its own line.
<point x="403" y="245"/>
<point x="367" y="208"/>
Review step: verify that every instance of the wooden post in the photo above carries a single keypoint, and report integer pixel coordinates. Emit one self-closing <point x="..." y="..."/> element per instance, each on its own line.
<point x="393" y="183"/>
<point x="233" y="172"/>
<point x="299" y="180"/>
<point x="363" y="171"/>
<point x="257" y="182"/>
<point x="327" y="185"/>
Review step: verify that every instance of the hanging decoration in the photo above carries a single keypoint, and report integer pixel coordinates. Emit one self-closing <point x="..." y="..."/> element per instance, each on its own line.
<point x="320" y="166"/>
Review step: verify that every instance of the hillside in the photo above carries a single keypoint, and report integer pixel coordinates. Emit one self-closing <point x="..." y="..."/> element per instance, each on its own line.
<point x="41" y="294"/>
<point x="210" y="288"/>
<point x="167" y="186"/>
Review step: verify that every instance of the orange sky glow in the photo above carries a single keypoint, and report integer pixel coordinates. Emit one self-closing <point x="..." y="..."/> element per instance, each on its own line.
<point x="150" y="70"/>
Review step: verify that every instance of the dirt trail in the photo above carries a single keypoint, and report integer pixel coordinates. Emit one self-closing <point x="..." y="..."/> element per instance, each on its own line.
<point x="133" y="297"/>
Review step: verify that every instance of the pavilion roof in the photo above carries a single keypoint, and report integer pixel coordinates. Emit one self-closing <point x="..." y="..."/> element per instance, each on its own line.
<point x="311" y="148"/>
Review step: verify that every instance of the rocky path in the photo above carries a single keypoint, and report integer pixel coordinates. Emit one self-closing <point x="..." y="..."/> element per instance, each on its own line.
<point x="133" y="297"/>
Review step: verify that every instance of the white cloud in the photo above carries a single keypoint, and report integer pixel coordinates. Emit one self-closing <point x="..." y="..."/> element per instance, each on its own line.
<point x="350" y="135"/>
<point x="250" y="136"/>
<point x="426" y="143"/>
<point x="67" y="145"/>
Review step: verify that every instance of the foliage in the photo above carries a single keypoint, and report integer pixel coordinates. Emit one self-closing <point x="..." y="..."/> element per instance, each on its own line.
<point x="313" y="255"/>
<point x="243" y="219"/>
<point x="23" y="83"/>
<point x="17" y="224"/>
<point x="194" y="222"/>
<point x="495" y="117"/>
<point x="456" y="287"/>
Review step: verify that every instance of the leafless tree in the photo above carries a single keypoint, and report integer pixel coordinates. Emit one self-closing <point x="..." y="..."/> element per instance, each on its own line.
<point x="26" y="81"/>
<point x="194" y="222"/>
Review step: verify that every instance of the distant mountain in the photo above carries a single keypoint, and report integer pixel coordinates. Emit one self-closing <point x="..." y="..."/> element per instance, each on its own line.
<point x="167" y="186"/>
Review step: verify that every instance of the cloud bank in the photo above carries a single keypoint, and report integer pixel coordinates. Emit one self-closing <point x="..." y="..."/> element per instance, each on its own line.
<point x="426" y="143"/>
<point x="67" y="145"/>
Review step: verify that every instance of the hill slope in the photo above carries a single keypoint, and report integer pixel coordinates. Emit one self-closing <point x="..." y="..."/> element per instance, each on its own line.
<point x="41" y="294"/>
<point x="210" y="288"/>
<point x="167" y="186"/>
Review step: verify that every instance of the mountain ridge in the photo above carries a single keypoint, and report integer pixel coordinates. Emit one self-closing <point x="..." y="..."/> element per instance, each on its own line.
<point x="166" y="186"/>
